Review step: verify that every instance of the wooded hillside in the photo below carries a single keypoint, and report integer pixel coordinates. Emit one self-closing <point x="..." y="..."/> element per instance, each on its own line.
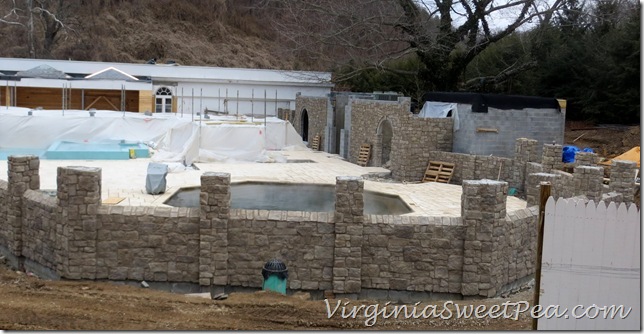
<point x="585" y="51"/>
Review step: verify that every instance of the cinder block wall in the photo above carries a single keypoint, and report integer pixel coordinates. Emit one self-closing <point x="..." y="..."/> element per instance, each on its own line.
<point x="544" y="125"/>
<point x="316" y="108"/>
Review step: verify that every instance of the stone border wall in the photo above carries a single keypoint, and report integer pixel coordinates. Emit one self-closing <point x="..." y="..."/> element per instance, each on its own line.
<point x="316" y="109"/>
<point x="477" y="167"/>
<point x="412" y="139"/>
<point x="344" y="252"/>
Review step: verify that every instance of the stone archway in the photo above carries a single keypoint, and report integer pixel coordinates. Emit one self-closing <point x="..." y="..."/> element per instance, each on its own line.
<point x="305" y="125"/>
<point x="384" y="135"/>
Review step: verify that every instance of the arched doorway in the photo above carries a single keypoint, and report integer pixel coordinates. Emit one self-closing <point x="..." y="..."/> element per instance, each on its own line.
<point x="305" y="125"/>
<point x="163" y="101"/>
<point x="385" y="134"/>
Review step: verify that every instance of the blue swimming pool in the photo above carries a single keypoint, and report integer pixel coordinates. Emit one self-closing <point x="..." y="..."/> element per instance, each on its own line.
<point x="66" y="150"/>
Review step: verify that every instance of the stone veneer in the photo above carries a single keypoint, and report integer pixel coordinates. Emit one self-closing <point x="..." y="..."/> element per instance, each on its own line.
<point x="316" y="109"/>
<point x="622" y="179"/>
<point x="344" y="251"/>
<point x="412" y="139"/>
<point x="586" y="159"/>
<point x="551" y="157"/>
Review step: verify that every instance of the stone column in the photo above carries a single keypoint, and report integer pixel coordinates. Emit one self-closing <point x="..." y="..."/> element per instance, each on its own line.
<point x="376" y="152"/>
<point x="551" y="157"/>
<point x="622" y="179"/>
<point x="348" y="218"/>
<point x="79" y="196"/>
<point x="483" y="205"/>
<point x="531" y="168"/>
<point x="22" y="175"/>
<point x="213" y="229"/>
<point x="588" y="181"/>
<point x="585" y="159"/>
<point x="525" y="150"/>
<point x="532" y="189"/>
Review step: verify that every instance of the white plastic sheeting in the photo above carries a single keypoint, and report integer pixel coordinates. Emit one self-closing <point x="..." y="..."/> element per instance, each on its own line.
<point x="44" y="127"/>
<point x="175" y="139"/>
<point x="432" y="109"/>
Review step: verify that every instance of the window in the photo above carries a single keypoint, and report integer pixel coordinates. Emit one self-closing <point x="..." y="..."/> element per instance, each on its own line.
<point x="163" y="100"/>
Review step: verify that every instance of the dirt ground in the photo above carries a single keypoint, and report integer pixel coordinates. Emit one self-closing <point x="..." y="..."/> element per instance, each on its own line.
<point x="30" y="303"/>
<point x="607" y="141"/>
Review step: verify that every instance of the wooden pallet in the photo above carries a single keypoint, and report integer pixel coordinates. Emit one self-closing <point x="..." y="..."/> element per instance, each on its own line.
<point x="439" y="171"/>
<point x="364" y="155"/>
<point x="315" y="144"/>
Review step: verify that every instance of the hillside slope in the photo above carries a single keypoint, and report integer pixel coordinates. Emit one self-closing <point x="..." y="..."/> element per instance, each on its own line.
<point x="194" y="32"/>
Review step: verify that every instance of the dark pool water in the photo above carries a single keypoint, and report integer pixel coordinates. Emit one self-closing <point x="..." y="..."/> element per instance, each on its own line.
<point x="292" y="197"/>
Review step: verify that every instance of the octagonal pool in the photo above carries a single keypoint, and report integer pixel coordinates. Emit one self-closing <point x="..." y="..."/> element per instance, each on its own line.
<point x="292" y="197"/>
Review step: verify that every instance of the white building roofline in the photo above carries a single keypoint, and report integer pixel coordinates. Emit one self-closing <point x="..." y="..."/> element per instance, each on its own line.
<point x="111" y="69"/>
<point x="179" y="73"/>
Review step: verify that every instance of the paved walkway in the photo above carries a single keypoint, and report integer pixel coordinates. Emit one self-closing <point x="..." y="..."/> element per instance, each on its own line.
<point x="126" y="179"/>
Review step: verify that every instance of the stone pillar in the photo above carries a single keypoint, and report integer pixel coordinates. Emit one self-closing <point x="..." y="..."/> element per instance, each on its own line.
<point x="483" y="205"/>
<point x="551" y="157"/>
<point x="588" y="181"/>
<point x="22" y="173"/>
<point x="525" y="150"/>
<point x="79" y="196"/>
<point x="348" y="218"/>
<point x="213" y="229"/>
<point x="376" y="152"/>
<point x="585" y="159"/>
<point x="622" y="179"/>
<point x="532" y="186"/>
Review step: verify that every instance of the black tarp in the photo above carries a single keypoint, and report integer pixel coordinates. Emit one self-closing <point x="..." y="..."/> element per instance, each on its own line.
<point x="481" y="102"/>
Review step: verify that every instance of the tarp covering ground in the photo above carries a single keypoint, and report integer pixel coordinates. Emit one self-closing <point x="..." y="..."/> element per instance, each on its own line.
<point x="174" y="139"/>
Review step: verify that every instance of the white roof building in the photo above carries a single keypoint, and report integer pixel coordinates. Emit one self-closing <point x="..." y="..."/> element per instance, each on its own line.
<point x="56" y="84"/>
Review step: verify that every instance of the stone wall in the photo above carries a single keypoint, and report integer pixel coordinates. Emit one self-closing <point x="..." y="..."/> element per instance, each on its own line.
<point x="586" y="159"/>
<point x="22" y="175"/>
<point x="588" y="182"/>
<point x="412" y="139"/>
<point x="414" y="256"/>
<point x="464" y="164"/>
<point x="4" y="192"/>
<point x="39" y="228"/>
<point x="148" y="243"/>
<point x="316" y="109"/>
<point x="214" y="246"/>
<point x="551" y="157"/>
<point x="303" y="240"/>
<point x="622" y="179"/>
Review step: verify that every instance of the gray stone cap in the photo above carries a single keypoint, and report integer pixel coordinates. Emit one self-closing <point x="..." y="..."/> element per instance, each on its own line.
<point x="216" y="174"/>
<point x="348" y="178"/>
<point x="624" y="163"/>
<point x="22" y="157"/>
<point x="484" y="181"/>
<point x="590" y="167"/>
<point x="544" y="174"/>
<point x="83" y="169"/>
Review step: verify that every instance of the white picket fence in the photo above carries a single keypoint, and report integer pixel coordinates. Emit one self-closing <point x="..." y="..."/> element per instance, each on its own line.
<point x="591" y="256"/>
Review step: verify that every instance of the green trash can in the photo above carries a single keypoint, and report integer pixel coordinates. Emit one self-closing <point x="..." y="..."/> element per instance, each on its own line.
<point x="275" y="276"/>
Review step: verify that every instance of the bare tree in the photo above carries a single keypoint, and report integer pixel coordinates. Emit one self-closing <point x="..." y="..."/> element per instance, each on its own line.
<point x="52" y="14"/>
<point x="444" y="35"/>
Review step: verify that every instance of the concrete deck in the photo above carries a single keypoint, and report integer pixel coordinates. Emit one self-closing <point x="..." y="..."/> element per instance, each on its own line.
<point x="126" y="179"/>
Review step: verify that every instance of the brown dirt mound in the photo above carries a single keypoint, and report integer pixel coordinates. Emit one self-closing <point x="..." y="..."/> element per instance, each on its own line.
<point x="29" y="303"/>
